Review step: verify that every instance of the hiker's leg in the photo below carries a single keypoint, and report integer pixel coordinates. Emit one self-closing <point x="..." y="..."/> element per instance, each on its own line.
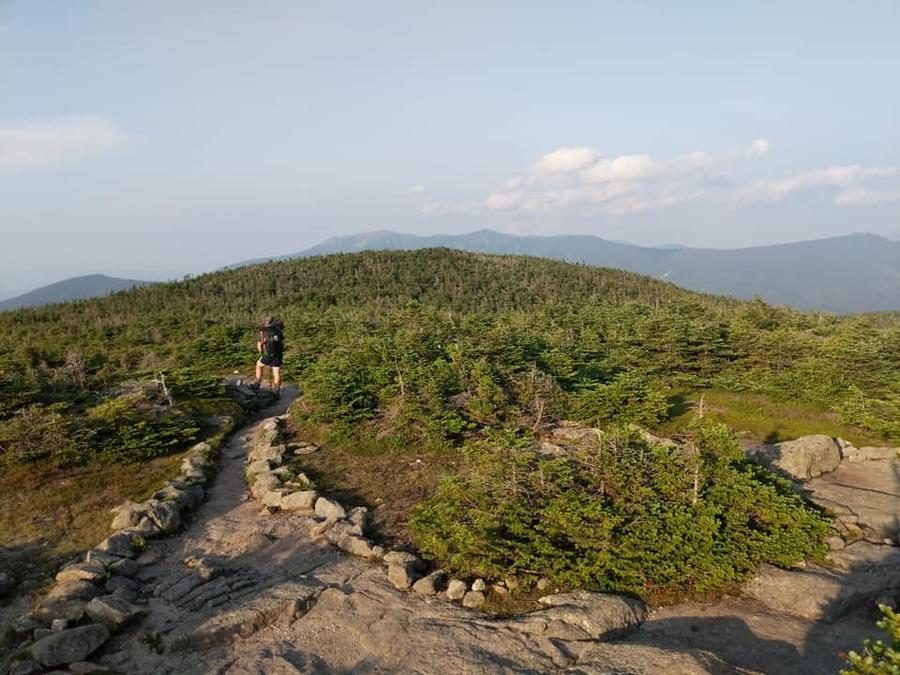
<point x="259" y="373"/>
<point x="276" y="377"/>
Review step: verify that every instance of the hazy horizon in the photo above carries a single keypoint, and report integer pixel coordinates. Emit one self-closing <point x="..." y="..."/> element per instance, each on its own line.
<point x="152" y="140"/>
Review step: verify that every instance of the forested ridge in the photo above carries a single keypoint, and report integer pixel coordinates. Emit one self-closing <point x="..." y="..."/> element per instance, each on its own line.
<point x="480" y="356"/>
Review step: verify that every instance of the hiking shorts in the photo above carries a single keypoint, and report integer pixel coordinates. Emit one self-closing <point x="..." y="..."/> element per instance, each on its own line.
<point x="271" y="360"/>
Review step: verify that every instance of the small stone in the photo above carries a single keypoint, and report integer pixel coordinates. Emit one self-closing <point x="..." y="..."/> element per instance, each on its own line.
<point x="358" y="516"/>
<point x="329" y="509"/>
<point x="401" y="576"/>
<point x="299" y="501"/>
<point x="473" y="599"/>
<point x="58" y="625"/>
<point x="352" y="544"/>
<point x="306" y="449"/>
<point x="543" y="584"/>
<point x="72" y="644"/>
<point x="430" y="585"/>
<point x="479" y="585"/>
<point x="377" y="552"/>
<point x="456" y="589"/>
<point x="499" y="589"/>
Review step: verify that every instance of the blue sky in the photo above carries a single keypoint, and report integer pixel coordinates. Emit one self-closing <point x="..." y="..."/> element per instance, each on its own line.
<point x="153" y="139"/>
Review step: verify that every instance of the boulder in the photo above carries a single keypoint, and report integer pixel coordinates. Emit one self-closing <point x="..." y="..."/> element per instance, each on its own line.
<point x="583" y="615"/>
<point x="803" y="458"/>
<point x="304" y="500"/>
<point x="58" y="625"/>
<point x="72" y="644"/>
<point x="478" y="585"/>
<point x="306" y="449"/>
<point x="85" y="571"/>
<point x="456" y="589"/>
<point x="430" y="585"/>
<point x="52" y="609"/>
<point x="111" y="611"/>
<point x="329" y="509"/>
<point x="74" y="590"/>
<point x="473" y="599"/>
<point x="351" y="543"/>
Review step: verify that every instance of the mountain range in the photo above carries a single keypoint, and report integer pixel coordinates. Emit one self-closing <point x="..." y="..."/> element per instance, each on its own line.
<point x="76" y="288"/>
<point x="846" y="274"/>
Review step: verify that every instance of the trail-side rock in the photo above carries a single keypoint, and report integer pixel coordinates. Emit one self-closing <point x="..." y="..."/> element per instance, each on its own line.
<point x="479" y="585"/>
<point x="802" y="458"/>
<point x="402" y="558"/>
<point x="84" y="571"/>
<point x="111" y="611"/>
<point x="329" y="509"/>
<point x="473" y="599"/>
<point x="51" y="609"/>
<point x="72" y="644"/>
<point x="272" y="498"/>
<point x="128" y="514"/>
<point x="402" y="576"/>
<point x="74" y="590"/>
<point x="166" y="516"/>
<point x="583" y="615"/>
<point x="430" y="585"/>
<point x="303" y="500"/>
<point x="123" y="587"/>
<point x="263" y="483"/>
<point x="125" y="567"/>
<point x="122" y="544"/>
<point x="266" y="453"/>
<point x="456" y="589"/>
<point x="351" y="543"/>
<point x="259" y="466"/>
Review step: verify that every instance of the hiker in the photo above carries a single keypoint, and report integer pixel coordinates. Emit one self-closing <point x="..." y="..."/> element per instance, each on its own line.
<point x="270" y="345"/>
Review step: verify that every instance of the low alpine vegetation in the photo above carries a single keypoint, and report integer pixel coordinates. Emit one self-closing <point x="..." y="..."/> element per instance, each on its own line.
<point x="617" y="512"/>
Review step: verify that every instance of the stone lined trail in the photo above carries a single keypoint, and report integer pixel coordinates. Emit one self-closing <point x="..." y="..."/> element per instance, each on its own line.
<point x="243" y="591"/>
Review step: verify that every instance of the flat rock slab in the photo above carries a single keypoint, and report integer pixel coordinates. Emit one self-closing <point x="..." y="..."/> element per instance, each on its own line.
<point x="870" y="491"/>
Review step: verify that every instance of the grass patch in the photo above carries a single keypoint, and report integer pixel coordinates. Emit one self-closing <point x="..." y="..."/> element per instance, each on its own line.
<point x="759" y="419"/>
<point x="48" y="514"/>
<point x="387" y="479"/>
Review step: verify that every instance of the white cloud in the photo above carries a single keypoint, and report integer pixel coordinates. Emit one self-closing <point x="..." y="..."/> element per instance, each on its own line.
<point x="582" y="178"/>
<point x="565" y="160"/>
<point x="851" y="185"/>
<point x="758" y="148"/>
<point x="32" y="146"/>
<point x="417" y="190"/>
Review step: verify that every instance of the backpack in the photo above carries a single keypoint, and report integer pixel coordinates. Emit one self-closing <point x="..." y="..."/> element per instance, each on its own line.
<point x="272" y="339"/>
